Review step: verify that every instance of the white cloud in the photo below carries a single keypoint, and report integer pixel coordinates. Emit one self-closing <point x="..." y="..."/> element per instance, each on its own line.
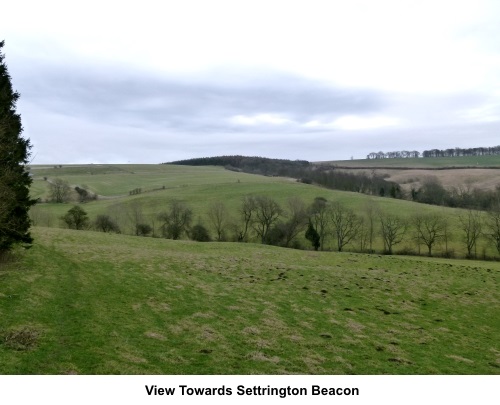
<point x="354" y="122"/>
<point x="484" y="113"/>
<point x="259" y="119"/>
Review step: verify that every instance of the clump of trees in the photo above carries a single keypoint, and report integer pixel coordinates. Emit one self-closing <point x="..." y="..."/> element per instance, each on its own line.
<point x="15" y="180"/>
<point x="85" y="195"/>
<point x="432" y="192"/>
<point x="105" y="223"/>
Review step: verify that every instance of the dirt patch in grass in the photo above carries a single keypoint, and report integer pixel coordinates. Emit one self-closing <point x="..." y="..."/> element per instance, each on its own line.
<point x="459" y="358"/>
<point x="251" y="330"/>
<point x="22" y="338"/>
<point x="209" y="334"/>
<point x="134" y="359"/>
<point x="155" y="335"/>
<point x="259" y="356"/>
<point x="355" y="326"/>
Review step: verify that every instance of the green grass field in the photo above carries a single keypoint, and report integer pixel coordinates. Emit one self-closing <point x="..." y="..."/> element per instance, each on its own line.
<point x="118" y="180"/>
<point x="201" y="186"/>
<point x="81" y="302"/>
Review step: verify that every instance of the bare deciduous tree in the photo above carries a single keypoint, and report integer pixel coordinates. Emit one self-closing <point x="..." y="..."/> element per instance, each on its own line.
<point x="297" y="220"/>
<point x="218" y="218"/>
<point x="370" y="211"/>
<point x="363" y="235"/>
<point x="493" y="227"/>
<point x="267" y="212"/>
<point x="247" y="215"/>
<point x="345" y="224"/>
<point x="471" y="224"/>
<point x="59" y="190"/>
<point x="135" y="216"/>
<point x="177" y="220"/>
<point x="392" y="229"/>
<point x="429" y="229"/>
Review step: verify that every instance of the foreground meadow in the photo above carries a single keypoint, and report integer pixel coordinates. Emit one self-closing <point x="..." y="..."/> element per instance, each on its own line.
<point x="82" y="302"/>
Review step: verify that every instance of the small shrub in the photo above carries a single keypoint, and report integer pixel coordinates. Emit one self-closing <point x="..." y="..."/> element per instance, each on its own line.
<point x="143" y="229"/>
<point x="407" y="252"/>
<point x="6" y="256"/>
<point x="200" y="234"/>
<point x="449" y="254"/>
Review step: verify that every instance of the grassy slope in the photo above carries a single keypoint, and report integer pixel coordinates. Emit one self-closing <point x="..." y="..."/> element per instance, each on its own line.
<point x="200" y="186"/>
<point x="115" y="180"/>
<point x="126" y="305"/>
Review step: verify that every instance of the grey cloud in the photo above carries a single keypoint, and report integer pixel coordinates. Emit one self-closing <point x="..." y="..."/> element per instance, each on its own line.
<point x="110" y="114"/>
<point x="202" y="104"/>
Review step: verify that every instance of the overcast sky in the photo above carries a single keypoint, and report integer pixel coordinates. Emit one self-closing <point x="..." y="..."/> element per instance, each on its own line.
<point x="157" y="81"/>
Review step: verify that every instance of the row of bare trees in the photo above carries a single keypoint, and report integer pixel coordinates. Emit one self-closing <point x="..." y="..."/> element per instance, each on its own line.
<point x="325" y="224"/>
<point x="261" y="218"/>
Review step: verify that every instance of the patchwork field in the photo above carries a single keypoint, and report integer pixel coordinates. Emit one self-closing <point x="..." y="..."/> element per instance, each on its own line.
<point x="82" y="302"/>
<point x="424" y="163"/>
<point x="481" y="172"/>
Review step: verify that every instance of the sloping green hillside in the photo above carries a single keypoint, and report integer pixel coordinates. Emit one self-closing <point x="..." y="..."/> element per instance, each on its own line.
<point x="82" y="302"/>
<point x="199" y="187"/>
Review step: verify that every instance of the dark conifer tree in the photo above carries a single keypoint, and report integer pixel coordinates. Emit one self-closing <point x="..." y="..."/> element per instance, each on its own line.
<point x="15" y="180"/>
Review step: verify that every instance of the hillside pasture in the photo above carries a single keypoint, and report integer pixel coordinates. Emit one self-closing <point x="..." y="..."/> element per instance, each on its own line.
<point x="199" y="187"/>
<point x="82" y="302"/>
<point x="119" y="180"/>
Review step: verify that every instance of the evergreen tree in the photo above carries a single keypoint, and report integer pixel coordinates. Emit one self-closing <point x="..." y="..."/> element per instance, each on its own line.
<point x="313" y="236"/>
<point x="15" y="180"/>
